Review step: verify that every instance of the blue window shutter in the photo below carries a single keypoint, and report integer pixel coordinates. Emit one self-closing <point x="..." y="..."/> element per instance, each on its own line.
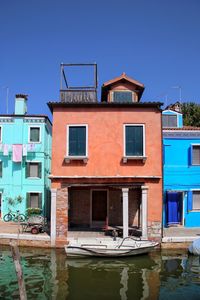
<point x="190" y="155"/>
<point x="189" y="200"/>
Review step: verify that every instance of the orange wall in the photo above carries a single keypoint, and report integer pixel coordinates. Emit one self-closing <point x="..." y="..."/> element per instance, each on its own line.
<point x="105" y="141"/>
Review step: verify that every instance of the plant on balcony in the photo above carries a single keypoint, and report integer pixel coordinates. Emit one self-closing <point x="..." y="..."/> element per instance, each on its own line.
<point x="33" y="211"/>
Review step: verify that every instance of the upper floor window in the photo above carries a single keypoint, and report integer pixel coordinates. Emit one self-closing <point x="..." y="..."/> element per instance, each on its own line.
<point x="34" y="135"/>
<point x="123" y="96"/>
<point x="0" y="134"/>
<point x="169" y="121"/>
<point x="196" y="200"/>
<point x="1" y="168"/>
<point x="196" y="155"/>
<point x="134" y="140"/>
<point x="33" y="169"/>
<point x="77" y="140"/>
<point x="34" y="200"/>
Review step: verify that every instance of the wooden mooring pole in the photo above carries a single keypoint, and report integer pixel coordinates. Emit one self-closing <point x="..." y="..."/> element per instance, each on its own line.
<point x="18" y="268"/>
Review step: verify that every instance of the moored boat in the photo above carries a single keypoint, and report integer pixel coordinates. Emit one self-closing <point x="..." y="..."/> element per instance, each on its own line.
<point x="194" y="248"/>
<point x="109" y="248"/>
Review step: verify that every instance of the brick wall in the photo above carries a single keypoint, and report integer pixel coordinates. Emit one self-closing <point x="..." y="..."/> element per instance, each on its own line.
<point x="115" y="207"/>
<point x="61" y="217"/>
<point x="155" y="230"/>
<point x="79" y="208"/>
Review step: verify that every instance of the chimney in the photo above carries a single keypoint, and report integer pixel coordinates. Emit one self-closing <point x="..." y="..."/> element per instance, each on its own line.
<point x="20" y="104"/>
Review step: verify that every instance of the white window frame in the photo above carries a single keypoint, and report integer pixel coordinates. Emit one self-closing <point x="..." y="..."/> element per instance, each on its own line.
<point x="76" y="157"/>
<point x="36" y="162"/>
<point x="29" y="134"/>
<point x="134" y="157"/>
<point x="1" y="133"/>
<point x="192" y="154"/>
<point x="122" y="91"/>
<point x="193" y="209"/>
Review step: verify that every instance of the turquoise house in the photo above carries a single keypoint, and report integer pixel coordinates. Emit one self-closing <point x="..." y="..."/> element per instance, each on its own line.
<point x="181" y="163"/>
<point x="25" y="160"/>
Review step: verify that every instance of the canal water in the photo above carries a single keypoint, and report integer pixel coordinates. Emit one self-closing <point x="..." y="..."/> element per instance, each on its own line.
<point x="48" y="274"/>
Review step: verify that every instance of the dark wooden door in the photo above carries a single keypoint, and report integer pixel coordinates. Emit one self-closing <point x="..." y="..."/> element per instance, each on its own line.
<point x="99" y="206"/>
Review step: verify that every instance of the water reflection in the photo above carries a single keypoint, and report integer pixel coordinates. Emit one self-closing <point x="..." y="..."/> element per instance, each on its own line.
<point x="113" y="279"/>
<point x="50" y="275"/>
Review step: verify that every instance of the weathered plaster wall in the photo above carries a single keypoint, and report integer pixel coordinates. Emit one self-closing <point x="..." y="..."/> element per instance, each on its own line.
<point x="105" y="142"/>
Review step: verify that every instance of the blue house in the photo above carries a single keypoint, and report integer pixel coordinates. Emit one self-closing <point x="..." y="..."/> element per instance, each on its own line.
<point x="25" y="160"/>
<point x="181" y="160"/>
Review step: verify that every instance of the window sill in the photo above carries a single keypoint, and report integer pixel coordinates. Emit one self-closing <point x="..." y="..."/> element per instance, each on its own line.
<point x="70" y="158"/>
<point x="126" y="158"/>
<point x="33" y="178"/>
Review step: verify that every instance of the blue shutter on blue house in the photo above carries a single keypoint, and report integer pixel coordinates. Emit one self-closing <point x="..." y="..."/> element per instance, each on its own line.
<point x="174" y="200"/>
<point x="190" y="155"/>
<point x="134" y="140"/>
<point x="189" y="202"/>
<point x="77" y="141"/>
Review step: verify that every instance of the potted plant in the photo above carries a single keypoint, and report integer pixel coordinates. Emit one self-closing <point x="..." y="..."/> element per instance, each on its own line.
<point x="33" y="211"/>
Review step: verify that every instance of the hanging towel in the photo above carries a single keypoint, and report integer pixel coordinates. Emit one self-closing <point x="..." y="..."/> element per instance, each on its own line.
<point x="17" y="153"/>
<point x="5" y="149"/>
<point x="24" y="150"/>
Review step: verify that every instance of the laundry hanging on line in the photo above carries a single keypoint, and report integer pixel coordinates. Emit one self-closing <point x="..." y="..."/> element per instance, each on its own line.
<point x="17" y="153"/>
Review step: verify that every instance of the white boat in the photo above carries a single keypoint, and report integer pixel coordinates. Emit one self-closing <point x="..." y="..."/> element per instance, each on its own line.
<point x="194" y="248"/>
<point x="109" y="248"/>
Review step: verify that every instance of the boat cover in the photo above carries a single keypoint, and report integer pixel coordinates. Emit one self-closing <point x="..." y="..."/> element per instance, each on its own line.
<point x="194" y="248"/>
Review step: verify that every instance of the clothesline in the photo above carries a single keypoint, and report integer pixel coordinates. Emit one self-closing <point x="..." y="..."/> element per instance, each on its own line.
<point x="6" y="148"/>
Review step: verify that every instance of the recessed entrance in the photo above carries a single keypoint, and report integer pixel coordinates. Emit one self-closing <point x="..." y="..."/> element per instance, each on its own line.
<point x="99" y="208"/>
<point x="174" y="208"/>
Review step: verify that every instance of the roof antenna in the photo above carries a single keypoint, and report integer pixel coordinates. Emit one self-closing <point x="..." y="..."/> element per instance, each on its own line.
<point x="180" y="92"/>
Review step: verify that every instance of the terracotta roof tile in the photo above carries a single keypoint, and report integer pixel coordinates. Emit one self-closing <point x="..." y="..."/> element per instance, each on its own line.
<point x="123" y="76"/>
<point x="183" y="128"/>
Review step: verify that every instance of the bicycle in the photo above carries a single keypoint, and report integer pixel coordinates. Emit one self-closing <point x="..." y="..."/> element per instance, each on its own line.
<point x="14" y="217"/>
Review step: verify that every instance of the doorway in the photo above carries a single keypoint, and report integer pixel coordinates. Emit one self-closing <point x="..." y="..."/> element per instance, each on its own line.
<point x="174" y="208"/>
<point x="99" y="208"/>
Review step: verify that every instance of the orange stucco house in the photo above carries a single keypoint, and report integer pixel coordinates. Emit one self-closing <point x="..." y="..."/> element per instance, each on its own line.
<point x="106" y="161"/>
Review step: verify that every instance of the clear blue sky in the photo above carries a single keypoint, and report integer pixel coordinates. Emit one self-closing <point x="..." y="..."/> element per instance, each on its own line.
<point x="156" y="42"/>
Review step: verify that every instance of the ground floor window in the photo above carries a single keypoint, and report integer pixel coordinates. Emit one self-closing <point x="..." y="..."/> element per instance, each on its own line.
<point x="33" y="169"/>
<point x="34" y="200"/>
<point x="196" y="200"/>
